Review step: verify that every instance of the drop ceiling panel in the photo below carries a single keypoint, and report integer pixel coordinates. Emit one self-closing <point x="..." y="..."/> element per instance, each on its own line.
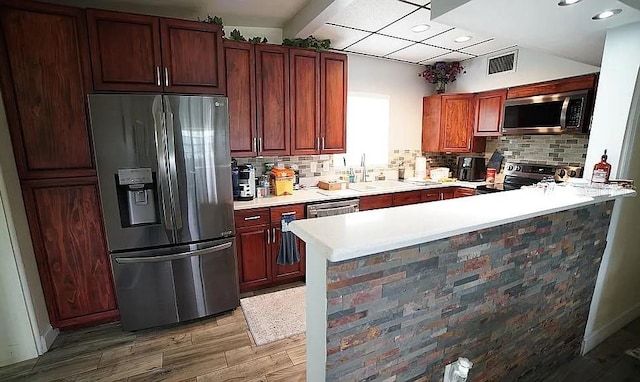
<point x="372" y="15"/>
<point x="453" y="56"/>
<point x="378" y="45"/>
<point x="485" y="47"/>
<point x="340" y="37"/>
<point x="402" y="27"/>
<point x="445" y="39"/>
<point x="418" y="52"/>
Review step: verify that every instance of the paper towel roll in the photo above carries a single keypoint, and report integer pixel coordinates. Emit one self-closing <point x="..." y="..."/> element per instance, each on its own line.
<point x="421" y="167"/>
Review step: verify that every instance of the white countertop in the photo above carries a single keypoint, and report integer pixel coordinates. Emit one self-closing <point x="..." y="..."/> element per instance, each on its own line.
<point x="316" y="195"/>
<point x="349" y="236"/>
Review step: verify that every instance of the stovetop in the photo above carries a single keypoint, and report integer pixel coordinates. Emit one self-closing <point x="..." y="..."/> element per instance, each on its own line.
<point x="526" y="174"/>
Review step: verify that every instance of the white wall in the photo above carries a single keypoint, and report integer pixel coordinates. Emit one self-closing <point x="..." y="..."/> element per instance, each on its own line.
<point x="401" y="83"/>
<point x="616" y="126"/>
<point x="532" y="66"/>
<point x="22" y="303"/>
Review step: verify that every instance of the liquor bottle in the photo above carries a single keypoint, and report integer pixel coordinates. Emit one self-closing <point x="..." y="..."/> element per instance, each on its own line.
<point x="601" y="171"/>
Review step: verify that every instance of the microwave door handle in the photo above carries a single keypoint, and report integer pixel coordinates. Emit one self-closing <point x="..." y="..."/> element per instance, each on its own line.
<point x="563" y="114"/>
<point x="163" y="173"/>
<point x="173" y="172"/>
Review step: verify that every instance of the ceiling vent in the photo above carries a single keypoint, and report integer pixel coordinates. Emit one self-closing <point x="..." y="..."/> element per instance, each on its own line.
<point x="503" y="63"/>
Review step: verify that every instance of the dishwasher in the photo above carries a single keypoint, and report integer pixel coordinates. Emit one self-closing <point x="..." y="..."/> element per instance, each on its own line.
<point x="338" y="207"/>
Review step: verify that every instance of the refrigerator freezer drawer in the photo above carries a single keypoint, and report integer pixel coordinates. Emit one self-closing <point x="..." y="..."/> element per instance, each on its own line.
<point x="159" y="287"/>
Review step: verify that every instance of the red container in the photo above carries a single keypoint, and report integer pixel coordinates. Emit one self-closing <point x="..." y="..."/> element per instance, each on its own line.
<point x="491" y="175"/>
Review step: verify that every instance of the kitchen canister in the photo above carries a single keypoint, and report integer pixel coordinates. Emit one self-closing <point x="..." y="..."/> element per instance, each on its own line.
<point x="421" y="167"/>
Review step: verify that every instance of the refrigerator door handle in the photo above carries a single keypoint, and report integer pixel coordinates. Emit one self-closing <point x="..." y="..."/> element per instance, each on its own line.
<point x="163" y="183"/>
<point x="178" y="256"/>
<point x="173" y="172"/>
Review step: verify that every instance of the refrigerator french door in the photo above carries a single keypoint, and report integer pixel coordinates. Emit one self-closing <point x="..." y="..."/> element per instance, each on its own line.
<point x="164" y="171"/>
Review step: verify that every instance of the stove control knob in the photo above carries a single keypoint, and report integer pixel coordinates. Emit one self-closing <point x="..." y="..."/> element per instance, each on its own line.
<point x="573" y="173"/>
<point x="510" y="167"/>
<point x="518" y="168"/>
<point x="562" y="173"/>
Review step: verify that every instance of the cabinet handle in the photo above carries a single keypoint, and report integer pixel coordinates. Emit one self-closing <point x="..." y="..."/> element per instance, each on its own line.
<point x="255" y="144"/>
<point x="252" y="218"/>
<point x="268" y="236"/>
<point x="259" y="145"/>
<point x="318" y="143"/>
<point x="166" y="76"/>
<point x="273" y="235"/>
<point x="287" y="213"/>
<point x="322" y="144"/>
<point x="469" y="143"/>
<point x="158" y="76"/>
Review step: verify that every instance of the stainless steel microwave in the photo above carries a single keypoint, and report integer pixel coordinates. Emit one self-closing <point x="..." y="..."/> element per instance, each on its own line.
<point x="548" y="114"/>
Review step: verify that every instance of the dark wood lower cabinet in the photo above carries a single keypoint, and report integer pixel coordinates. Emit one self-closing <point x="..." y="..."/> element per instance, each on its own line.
<point x="406" y="198"/>
<point x="71" y="252"/>
<point x="461" y="192"/>
<point x="254" y="260"/>
<point x="373" y="202"/>
<point x="286" y="272"/>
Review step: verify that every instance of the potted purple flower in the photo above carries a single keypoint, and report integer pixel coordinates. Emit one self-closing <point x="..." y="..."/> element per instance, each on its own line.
<point x="441" y="73"/>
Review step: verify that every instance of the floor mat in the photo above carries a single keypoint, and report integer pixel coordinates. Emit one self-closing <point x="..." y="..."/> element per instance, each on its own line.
<point x="274" y="316"/>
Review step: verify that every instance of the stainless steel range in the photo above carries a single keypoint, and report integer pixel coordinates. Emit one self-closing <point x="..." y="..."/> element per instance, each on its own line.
<point x="526" y="174"/>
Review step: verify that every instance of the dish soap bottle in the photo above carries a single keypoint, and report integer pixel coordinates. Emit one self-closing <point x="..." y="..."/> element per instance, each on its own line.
<point x="601" y="171"/>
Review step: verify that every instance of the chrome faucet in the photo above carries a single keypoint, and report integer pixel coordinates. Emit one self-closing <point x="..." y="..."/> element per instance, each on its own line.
<point x="364" y="168"/>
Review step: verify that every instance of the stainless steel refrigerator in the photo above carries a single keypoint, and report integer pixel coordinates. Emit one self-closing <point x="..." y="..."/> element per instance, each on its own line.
<point x="164" y="170"/>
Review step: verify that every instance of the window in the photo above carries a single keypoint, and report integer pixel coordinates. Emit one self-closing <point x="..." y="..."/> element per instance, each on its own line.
<point x="367" y="130"/>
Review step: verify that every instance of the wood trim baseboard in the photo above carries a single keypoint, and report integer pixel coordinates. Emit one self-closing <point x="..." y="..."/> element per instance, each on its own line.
<point x="596" y="337"/>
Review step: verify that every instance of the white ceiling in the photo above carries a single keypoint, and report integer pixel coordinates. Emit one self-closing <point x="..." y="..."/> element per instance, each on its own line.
<point x="542" y="25"/>
<point x="382" y="28"/>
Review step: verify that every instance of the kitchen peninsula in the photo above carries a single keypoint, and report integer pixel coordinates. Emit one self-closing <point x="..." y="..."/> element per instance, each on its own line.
<point x="503" y="279"/>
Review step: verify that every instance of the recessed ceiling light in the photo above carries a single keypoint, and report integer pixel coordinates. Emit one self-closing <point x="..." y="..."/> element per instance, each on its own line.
<point x="564" y="3"/>
<point x="462" y="39"/>
<point x="606" y="14"/>
<point x="421" y="28"/>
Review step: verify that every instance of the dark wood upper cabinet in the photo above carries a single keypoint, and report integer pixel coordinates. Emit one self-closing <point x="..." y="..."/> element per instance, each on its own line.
<point x="45" y="75"/>
<point x="192" y="56"/>
<point x="305" y="101"/>
<point x="125" y="51"/>
<point x="585" y="82"/>
<point x="489" y="113"/>
<point x="447" y="124"/>
<point x="71" y="252"/>
<point x="333" y="103"/>
<point x="131" y="52"/>
<point x="272" y="99"/>
<point x="241" y="89"/>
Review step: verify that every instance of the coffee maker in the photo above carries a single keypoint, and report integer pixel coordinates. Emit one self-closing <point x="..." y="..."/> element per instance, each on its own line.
<point x="246" y="182"/>
<point x="471" y="168"/>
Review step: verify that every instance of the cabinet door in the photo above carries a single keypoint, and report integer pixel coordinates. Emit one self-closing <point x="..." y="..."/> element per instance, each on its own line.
<point x="304" y="82"/>
<point x="254" y="261"/>
<point x="272" y="99"/>
<point x="373" y="202"/>
<point x="192" y="56"/>
<point x="44" y="76"/>
<point x="70" y="246"/>
<point x="489" y="113"/>
<point x="333" y="103"/>
<point x="125" y="51"/>
<point x="456" y="123"/>
<point x="286" y="272"/>
<point x="241" y="89"/>
<point x="405" y="198"/>
<point x="447" y="193"/>
<point x="431" y="113"/>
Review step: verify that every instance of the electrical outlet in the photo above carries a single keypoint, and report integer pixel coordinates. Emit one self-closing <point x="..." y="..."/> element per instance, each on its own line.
<point x="313" y="166"/>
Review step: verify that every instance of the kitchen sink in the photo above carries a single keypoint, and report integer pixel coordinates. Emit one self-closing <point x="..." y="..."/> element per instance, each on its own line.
<point x="379" y="185"/>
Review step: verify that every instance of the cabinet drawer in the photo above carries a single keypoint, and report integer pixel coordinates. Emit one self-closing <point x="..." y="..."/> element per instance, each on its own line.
<point x="448" y="193"/>
<point x="405" y="198"/>
<point x="462" y="192"/>
<point x="278" y="212"/>
<point x="430" y="195"/>
<point x="246" y="218"/>
<point x="376" y="201"/>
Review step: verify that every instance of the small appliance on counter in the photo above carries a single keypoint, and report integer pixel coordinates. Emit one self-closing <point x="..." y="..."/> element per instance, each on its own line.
<point x="247" y="182"/>
<point x="471" y="169"/>
<point x="282" y="180"/>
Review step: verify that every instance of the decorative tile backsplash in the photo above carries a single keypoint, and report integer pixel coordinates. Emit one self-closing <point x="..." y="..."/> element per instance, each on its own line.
<point x="547" y="149"/>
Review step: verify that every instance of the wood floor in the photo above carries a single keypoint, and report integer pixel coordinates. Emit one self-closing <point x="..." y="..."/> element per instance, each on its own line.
<point x="215" y="349"/>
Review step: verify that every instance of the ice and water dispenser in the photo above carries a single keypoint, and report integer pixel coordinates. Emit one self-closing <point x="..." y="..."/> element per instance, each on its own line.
<point x="137" y="197"/>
